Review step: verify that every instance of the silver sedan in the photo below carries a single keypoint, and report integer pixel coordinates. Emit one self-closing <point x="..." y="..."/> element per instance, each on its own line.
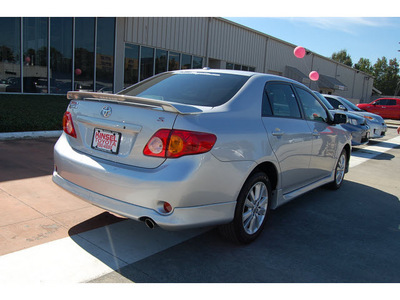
<point x="201" y="147"/>
<point x="376" y="123"/>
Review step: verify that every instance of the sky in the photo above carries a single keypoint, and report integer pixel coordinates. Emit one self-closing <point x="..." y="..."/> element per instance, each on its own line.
<point x="368" y="29"/>
<point x="367" y="37"/>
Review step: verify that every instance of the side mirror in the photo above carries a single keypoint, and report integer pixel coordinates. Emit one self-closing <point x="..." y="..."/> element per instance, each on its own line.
<point x="339" y="118"/>
<point x="341" y="107"/>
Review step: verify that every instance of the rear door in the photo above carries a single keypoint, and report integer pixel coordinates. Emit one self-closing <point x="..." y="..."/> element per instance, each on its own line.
<point x="288" y="133"/>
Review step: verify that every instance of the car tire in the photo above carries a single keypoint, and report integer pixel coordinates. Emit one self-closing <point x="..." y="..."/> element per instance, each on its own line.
<point x="340" y="170"/>
<point x="252" y="208"/>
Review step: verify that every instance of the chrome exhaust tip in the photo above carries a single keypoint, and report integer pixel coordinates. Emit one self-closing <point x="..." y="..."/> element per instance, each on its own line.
<point x="149" y="223"/>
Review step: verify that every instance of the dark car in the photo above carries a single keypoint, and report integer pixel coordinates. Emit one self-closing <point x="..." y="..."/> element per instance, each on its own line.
<point x="356" y="125"/>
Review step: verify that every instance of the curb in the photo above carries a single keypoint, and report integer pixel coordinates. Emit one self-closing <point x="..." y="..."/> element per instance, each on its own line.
<point x="29" y="135"/>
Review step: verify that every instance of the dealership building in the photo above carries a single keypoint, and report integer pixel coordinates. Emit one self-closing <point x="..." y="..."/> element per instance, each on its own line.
<point x="56" y="55"/>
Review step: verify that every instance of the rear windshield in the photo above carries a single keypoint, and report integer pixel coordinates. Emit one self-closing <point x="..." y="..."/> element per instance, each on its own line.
<point x="197" y="88"/>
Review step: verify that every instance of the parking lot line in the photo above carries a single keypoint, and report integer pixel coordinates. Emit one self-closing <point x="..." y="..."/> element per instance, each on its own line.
<point x="88" y="255"/>
<point x="359" y="156"/>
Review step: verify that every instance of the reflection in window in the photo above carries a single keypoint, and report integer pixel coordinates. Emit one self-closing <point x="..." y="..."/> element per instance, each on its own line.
<point x="173" y="63"/>
<point x="131" y="68"/>
<point x="146" y="62"/>
<point x="312" y="108"/>
<point x="35" y="55"/>
<point x="282" y="100"/>
<point x="197" y="62"/>
<point x="84" y="54"/>
<point x="10" y="71"/>
<point x="161" y="61"/>
<point x="105" y="55"/>
<point x="186" y="61"/>
<point x="60" y="55"/>
<point x="229" y="66"/>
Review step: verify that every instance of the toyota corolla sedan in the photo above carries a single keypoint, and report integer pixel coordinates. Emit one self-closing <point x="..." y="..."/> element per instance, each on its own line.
<point x="376" y="123"/>
<point x="195" y="148"/>
<point x="356" y="125"/>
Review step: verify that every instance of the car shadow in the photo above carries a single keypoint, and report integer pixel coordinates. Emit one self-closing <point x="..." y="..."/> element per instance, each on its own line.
<point x="349" y="235"/>
<point x="26" y="158"/>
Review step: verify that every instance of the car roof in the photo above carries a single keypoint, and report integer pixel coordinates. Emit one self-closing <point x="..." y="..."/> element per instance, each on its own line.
<point x="269" y="77"/>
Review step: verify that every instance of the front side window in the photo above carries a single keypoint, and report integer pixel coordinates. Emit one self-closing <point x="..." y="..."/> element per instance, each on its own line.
<point x="203" y="89"/>
<point x="282" y="101"/>
<point x="335" y="103"/>
<point x="313" y="110"/>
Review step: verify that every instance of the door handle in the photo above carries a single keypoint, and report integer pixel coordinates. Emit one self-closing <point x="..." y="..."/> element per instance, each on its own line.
<point x="278" y="133"/>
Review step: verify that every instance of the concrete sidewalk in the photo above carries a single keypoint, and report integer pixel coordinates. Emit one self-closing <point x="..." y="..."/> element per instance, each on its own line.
<point x="33" y="210"/>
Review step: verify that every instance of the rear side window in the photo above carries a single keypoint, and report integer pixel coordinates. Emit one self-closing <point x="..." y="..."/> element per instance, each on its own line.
<point x="197" y="88"/>
<point x="280" y="101"/>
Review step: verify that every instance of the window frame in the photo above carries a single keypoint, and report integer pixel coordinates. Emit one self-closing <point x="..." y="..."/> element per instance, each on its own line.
<point x="266" y="101"/>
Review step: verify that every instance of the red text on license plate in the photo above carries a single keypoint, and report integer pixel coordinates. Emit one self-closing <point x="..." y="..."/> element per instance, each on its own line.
<point x="105" y="140"/>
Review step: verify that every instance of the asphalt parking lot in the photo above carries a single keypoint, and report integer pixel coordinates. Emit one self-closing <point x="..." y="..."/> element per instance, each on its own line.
<point x="348" y="236"/>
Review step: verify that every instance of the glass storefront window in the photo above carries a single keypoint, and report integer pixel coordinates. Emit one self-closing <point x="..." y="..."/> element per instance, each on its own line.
<point x="173" y="63"/>
<point x="229" y="66"/>
<point x="197" y="62"/>
<point x="131" y="65"/>
<point x="10" y="48"/>
<point x="105" y="55"/>
<point x="186" y="61"/>
<point x="146" y="62"/>
<point x="161" y="61"/>
<point x="84" y="54"/>
<point x="35" y="55"/>
<point x="60" y="55"/>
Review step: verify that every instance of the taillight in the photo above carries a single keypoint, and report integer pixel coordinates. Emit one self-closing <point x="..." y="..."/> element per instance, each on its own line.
<point x="68" y="125"/>
<point x="176" y="143"/>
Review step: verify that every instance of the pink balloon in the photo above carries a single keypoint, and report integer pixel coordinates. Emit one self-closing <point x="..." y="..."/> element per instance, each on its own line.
<point x="299" y="52"/>
<point x="78" y="72"/>
<point x="314" y="76"/>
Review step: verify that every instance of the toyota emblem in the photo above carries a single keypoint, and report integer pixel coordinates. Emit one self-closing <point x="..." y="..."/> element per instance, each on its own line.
<point x="106" y="111"/>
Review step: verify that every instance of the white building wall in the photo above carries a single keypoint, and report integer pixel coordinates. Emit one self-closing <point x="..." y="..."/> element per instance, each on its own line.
<point x="280" y="54"/>
<point x="187" y="35"/>
<point x="235" y="44"/>
<point x="223" y="40"/>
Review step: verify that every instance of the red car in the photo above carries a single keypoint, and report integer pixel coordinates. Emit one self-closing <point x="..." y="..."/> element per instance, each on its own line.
<point x="385" y="107"/>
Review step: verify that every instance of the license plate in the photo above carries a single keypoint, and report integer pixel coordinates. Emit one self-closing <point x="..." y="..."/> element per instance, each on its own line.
<point x="105" y="140"/>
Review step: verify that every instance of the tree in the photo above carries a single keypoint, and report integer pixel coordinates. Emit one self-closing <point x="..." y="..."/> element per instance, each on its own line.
<point x="364" y="65"/>
<point x="386" y="75"/>
<point x="342" y="57"/>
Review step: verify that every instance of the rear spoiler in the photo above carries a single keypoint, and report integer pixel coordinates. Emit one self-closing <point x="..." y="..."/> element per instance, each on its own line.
<point x="145" y="102"/>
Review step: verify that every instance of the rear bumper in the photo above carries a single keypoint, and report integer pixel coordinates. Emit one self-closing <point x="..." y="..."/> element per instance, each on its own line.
<point x="201" y="189"/>
<point x="181" y="218"/>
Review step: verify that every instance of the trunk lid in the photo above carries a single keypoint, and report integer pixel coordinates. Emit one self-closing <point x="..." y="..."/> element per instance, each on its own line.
<point x="118" y="127"/>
